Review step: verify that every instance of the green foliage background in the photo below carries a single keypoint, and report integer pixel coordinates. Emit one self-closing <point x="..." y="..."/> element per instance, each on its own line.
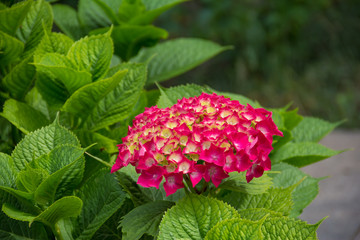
<point x="303" y="51"/>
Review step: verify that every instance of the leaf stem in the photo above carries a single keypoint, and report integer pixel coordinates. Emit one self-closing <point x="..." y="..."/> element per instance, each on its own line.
<point x="189" y="184"/>
<point x="100" y="160"/>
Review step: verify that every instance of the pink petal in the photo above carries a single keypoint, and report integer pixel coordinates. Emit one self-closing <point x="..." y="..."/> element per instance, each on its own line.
<point x="197" y="174"/>
<point x="151" y="177"/>
<point x="173" y="182"/>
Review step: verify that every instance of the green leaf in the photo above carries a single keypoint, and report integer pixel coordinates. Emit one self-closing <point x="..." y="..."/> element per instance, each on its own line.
<point x="276" y="199"/>
<point x="152" y="5"/>
<point x="20" y="79"/>
<point x="29" y="179"/>
<point x="237" y="182"/>
<point x="41" y="142"/>
<point x="17" y="214"/>
<point x="38" y="20"/>
<point x="60" y="183"/>
<point x="11" y="18"/>
<point x="144" y="219"/>
<point x="174" y="57"/>
<point x="66" y="18"/>
<point x="118" y="104"/>
<point x="242" y="99"/>
<point x="102" y="197"/>
<point x="132" y="188"/>
<point x="93" y="54"/>
<point x="291" y="119"/>
<point x="58" y="69"/>
<point x="7" y="171"/>
<point x="236" y="229"/>
<point x="63" y="208"/>
<point x="109" y="10"/>
<point x="85" y="99"/>
<point x="312" y="129"/>
<point x="302" y="154"/>
<point x="288" y="228"/>
<point x="303" y="194"/>
<point x="154" y="9"/>
<point x="10" y="49"/>
<point x="59" y="157"/>
<point x="103" y="143"/>
<point x="24" y="117"/>
<point x="130" y="9"/>
<point x="193" y="216"/>
<point x="92" y="16"/>
<point x="169" y="96"/>
<point x="34" y="99"/>
<point x="255" y="214"/>
<point x="53" y="43"/>
<point x="129" y="39"/>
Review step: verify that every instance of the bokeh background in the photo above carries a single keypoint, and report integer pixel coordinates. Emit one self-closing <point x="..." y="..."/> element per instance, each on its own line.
<point x="302" y="51"/>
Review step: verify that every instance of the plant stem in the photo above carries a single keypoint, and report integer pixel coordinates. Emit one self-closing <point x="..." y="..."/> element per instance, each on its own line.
<point x="99" y="160"/>
<point x="189" y="184"/>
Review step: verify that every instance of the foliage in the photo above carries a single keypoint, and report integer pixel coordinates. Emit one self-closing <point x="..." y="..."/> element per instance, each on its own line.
<point x="63" y="93"/>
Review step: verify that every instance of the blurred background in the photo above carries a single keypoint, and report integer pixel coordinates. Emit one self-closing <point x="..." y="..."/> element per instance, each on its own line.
<point x="302" y="51"/>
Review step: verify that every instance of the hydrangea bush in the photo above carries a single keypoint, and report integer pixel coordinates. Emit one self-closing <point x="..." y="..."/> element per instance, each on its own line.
<point x="200" y="137"/>
<point x="200" y="165"/>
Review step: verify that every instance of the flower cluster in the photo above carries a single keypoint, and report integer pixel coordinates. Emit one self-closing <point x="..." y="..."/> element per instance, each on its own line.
<point x="203" y="137"/>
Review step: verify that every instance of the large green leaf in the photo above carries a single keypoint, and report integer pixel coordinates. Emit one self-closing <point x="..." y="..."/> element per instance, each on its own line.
<point x="38" y="20"/>
<point x="66" y="18"/>
<point x="93" y="54"/>
<point x="237" y="182"/>
<point x="312" y="129"/>
<point x="19" y="80"/>
<point x="10" y="48"/>
<point x="129" y="39"/>
<point x="7" y="171"/>
<point x="63" y="208"/>
<point x="303" y="194"/>
<point x="130" y="9"/>
<point x="102" y="197"/>
<point x="144" y="219"/>
<point x="154" y="9"/>
<point x="169" y="96"/>
<point x="242" y="99"/>
<point x="60" y="71"/>
<point x="58" y="158"/>
<point x="53" y="43"/>
<point x="60" y="183"/>
<point x="288" y="228"/>
<point x="236" y="229"/>
<point x="29" y="179"/>
<point x="152" y="5"/>
<point x="24" y="117"/>
<point x="103" y="143"/>
<point x="255" y="214"/>
<point x="11" y="18"/>
<point x="41" y="142"/>
<point x="302" y="154"/>
<point x="118" y="104"/>
<point x="193" y="216"/>
<point x="85" y="99"/>
<point x="276" y="199"/>
<point x="92" y="16"/>
<point x="174" y="57"/>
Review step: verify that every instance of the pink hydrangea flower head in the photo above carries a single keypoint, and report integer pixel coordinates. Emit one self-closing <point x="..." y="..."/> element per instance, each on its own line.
<point x="205" y="137"/>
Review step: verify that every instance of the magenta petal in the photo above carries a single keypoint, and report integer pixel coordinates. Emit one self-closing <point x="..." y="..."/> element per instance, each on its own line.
<point x="243" y="161"/>
<point x="213" y="155"/>
<point x="173" y="182"/>
<point x="254" y="171"/>
<point x="197" y="174"/>
<point x="215" y="173"/>
<point x="151" y="177"/>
